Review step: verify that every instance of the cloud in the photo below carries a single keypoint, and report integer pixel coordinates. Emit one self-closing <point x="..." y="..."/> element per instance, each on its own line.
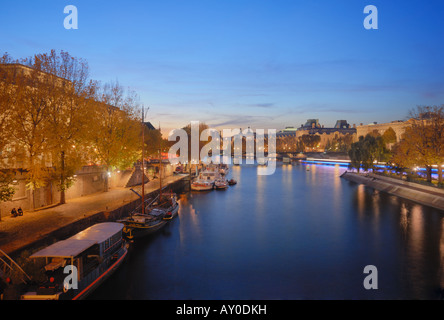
<point x="261" y="105"/>
<point x="337" y="110"/>
<point x="325" y="108"/>
<point x="228" y="120"/>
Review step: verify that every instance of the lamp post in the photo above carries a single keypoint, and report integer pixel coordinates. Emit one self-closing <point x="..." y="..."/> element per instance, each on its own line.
<point x="143" y="163"/>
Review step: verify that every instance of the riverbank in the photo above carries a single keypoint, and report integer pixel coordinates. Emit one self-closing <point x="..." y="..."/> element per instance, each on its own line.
<point x="425" y="195"/>
<point x="41" y="228"/>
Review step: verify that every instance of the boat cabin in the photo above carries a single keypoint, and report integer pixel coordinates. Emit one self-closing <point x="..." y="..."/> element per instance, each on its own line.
<point x="87" y="250"/>
<point x="208" y="176"/>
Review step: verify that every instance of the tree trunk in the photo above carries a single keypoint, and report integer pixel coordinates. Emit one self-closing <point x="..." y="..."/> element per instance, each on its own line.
<point x="106" y="180"/>
<point x="439" y="175"/>
<point x="31" y="161"/>
<point x="429" y="173"/>
<point x="62" y="178"/>
<point x="33" y="198"/>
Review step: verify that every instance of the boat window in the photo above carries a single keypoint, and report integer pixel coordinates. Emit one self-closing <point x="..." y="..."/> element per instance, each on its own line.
<point x="93" y="251"/>
<point x="106" y="245"/>
<point x="91" y="258"/>
<point x="109" y="243"/>
<point x="115" y="238"/>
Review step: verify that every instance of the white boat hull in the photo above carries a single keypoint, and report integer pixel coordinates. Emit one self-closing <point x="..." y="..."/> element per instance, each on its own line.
<point x="221" y="184"/>
<point x="201" y="187"/>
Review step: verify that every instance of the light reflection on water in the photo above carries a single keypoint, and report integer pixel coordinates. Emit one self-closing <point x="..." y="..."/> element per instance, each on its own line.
<point x="301" y="233"/>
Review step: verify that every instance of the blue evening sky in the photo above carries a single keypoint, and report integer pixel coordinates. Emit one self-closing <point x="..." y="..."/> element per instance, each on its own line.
<point x="238" y="63"/>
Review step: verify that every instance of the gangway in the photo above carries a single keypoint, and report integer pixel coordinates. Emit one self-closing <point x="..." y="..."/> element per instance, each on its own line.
<point x="10" y="269"/>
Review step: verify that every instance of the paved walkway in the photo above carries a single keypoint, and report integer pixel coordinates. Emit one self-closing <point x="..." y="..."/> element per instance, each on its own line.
<point x="411" y="185"/>
<point x="425" y="195"/>
<point x="20" y="231"/>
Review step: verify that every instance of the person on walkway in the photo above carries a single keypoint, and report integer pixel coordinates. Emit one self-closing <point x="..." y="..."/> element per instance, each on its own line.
<point x="20" y="211"/>
<point x="13" y="213"/>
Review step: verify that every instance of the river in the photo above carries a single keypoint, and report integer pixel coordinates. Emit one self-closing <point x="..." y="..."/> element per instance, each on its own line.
<point x="301" y="233"/>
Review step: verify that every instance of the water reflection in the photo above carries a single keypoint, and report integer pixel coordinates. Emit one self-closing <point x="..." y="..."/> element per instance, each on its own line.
<point x="287" y="176"/>
<point x="360" y="199"/>
<point x="188" y="217"/>
<point x="337" y="194"/>
<point x="296" y="234"/>
<point x="404" y="220"/>
<point x="408" y="234"/>
<point x="441" y="264"/>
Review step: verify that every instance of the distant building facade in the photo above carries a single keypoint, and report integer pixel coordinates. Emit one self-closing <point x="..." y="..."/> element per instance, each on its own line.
<point x="398" y="126"/>
<point x="149" y="126"/>
<point x="288" y="138"/>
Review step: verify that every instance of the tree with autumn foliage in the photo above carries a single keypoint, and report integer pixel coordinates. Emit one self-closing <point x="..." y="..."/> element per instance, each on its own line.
<point x="153" y="142"/>
<point x="68" y="105"/>
<point x="28" y="90"/>
<point x="114" y="134"/>
<point x="54" y="120"/>
<point x="389" y="137"/>
<point x="422" y="144"/>
<point x="6" y="177"/>
<point x="6" y="100"/>
<point x="310" y="141"/>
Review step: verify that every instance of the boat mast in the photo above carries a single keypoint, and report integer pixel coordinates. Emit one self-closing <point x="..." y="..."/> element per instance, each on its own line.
<point x="143" y="164"/>
<point x="160" y="176"/>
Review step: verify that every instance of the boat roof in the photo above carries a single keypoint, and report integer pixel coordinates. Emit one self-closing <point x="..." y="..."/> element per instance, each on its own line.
<point x="157" y="212"/>
<point x="83" y="240"/>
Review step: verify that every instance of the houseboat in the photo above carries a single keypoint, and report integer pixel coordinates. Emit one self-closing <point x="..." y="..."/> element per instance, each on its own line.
<point x="95" y="252"/>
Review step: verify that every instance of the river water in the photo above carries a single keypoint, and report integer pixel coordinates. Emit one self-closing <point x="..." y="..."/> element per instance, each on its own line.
<point x="301" y="233"/>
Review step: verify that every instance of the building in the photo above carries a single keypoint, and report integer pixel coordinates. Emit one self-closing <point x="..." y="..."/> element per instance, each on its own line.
<point x="88" y="179"/>
<point x="288" y="139"/>
<point x="149" y="126"/>
<point x="311" y="124"/>
<point x="398" y="126"/>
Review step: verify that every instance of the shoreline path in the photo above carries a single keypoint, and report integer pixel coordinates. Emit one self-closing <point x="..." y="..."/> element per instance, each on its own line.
<point x="20" y="231"/>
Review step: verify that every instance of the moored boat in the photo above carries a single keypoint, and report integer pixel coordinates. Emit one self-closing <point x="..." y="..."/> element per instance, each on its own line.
<point x="171" y="206"/>
<point x="147" y="219"/>
<point x="171" y="213"/>
<point x="210" y="174"/>
<point x="232" y="182"/>
<point x="201" y="185"/>
<point x="95" y="252"/>
<point x="262" y="161"/>
<point x="179" y="169"/>
<point x="221" y="184"/>
<point x="140" y="225"/>
<point x="223" y="169"/>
